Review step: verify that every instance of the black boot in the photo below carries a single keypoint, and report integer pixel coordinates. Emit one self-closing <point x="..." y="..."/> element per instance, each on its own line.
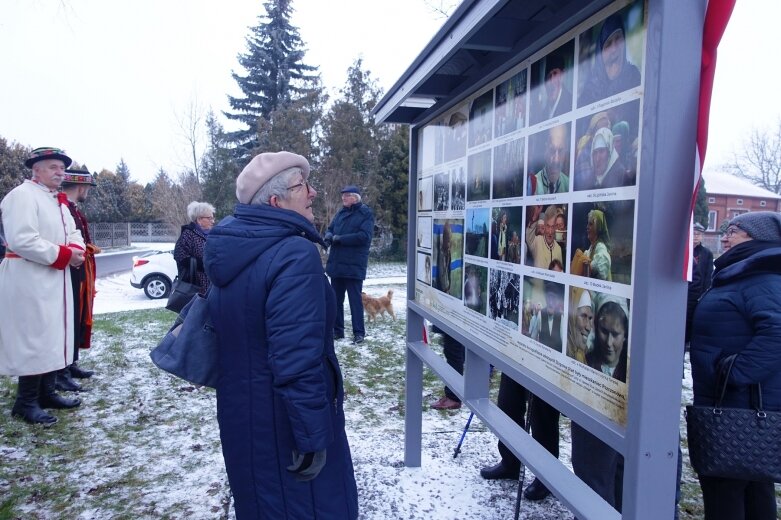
<point x="26" y="406"/>
<point x="79" y="373"/>
<point x="50" y="399"/>
<point x="64" y="382"/>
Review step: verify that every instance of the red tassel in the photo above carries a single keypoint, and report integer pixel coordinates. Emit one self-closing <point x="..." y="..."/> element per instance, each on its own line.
<point x="62" y="198"/>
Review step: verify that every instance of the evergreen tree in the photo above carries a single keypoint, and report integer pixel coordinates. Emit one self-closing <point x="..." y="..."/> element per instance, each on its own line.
<point x="701" y="205"/>
<point x="12" y="169"/>
<point x="275" y="72"/>
<point x="392" y="182"/>
<point x="218" y="169"/>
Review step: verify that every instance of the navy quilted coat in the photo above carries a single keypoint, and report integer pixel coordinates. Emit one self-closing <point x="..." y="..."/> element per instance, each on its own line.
<point x="355" y="228"/>
<point x="280" y="385"/>
<point x="740" y="314"/>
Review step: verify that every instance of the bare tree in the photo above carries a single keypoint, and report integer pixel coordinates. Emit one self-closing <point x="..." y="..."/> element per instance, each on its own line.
<point x="170" y="199"/>
<point x="759" y="161"/>
<point x="191" y="123"/>
<point x="442" y="8"/>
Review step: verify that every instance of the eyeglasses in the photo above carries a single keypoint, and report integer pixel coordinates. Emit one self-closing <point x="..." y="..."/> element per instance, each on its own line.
<point x="207" y="218"/>
<point x="731" y="231"/>
<point x="302" y="183"/>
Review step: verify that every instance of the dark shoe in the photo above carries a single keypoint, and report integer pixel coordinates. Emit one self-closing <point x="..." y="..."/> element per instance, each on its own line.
<point x="499" y="472"/>
<point x="26" y="406"/>
<point x="338" y="335"/>
<point x="536" y="491"/>
<point x="48" y="398"/>
<point x="446" y="403"/>
<point x="79" y="373"/>
<point x="65" y="383"/>
<point x="358" y="340"/>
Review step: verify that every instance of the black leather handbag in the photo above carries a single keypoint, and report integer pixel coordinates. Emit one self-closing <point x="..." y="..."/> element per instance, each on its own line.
<point x="737" y="443"/>
<point x="183" y="289"/>
<point x="189" y="349"/>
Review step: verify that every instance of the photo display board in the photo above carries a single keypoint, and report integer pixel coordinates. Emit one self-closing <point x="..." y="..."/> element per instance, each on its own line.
<point x="526" y="209"/>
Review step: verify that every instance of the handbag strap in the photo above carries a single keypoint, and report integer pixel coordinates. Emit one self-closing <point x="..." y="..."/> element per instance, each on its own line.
<point x="192" y="270"/>
<point x="721" y="387"/>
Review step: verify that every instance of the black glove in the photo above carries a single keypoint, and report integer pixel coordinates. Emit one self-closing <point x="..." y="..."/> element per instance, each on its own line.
<point x="328" y="239"/>
<point x="306" y="466"/>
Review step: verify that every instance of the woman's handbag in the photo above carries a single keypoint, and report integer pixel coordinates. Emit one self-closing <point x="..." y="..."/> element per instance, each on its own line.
<point x="737" y="443"/>
<point x="189" y="349"/>
<point x="183" y="290"/>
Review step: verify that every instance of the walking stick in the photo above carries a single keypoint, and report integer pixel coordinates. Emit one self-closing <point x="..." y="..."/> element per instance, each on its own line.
<point x="463" y="434"/>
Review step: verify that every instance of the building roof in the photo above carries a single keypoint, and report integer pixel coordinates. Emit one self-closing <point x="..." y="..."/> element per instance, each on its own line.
<point x="720" y="183"/>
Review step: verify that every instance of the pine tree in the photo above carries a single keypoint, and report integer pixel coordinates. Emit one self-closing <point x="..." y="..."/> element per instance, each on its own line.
<point x="12" y="169"/>
<point x="275" y="76"/>
<point x="218" y="169"/>
<point x="701" y="205"/>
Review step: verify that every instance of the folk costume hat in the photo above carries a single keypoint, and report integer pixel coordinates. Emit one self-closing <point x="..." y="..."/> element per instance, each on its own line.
<point x="262" y="168"/>
<point x="47" y="152"/>
<point x="79" y="177"/>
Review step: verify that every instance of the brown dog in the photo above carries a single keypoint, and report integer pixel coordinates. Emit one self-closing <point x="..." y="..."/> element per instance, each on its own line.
<point x="377" y="306"/>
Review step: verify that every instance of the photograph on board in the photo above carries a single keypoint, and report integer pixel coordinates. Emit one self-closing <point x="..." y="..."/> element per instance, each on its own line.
<point x="507" y="180"/>
<point x="448" y="262"/>
<point x="506" y="231"/>
<point x="551" y="84"/>
<point x="442" y="191"/>
<point x="425" y="193"/>
<point x="603" y="240"/>
<point x="542" y="249"/>
<point x="423" y="268"/>
<point x="481" y="118"/>
<point x="424" y="232"/>
<point x="475" y="287"/>
<point x="549" y="158"/>
<point x="607" y="344"/>
<point x="457" y="188"/>
<point x="504" y="294"/>
<point x="606" y="148"/>
<point x="510" y="104"/>
<point x="477" y="222"/>
<point x="478" y="175"/>
<point x="543" y="319"/>
<point x="611" y="55"/>
<point x="454" y="135"/>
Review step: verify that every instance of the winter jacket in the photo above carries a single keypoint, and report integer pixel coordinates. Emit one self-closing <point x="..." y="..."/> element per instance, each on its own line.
<point x="740" y="314"/>
<point x="352" y="229"/>
<point x="190" y="244"/>
<point x="280" y="387"/>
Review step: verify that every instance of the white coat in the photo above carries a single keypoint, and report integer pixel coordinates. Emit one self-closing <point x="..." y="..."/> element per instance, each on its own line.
<point x="36" y="298"/>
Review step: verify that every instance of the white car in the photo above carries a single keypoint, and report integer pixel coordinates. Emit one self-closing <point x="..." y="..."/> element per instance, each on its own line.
<point x="154" y="272"/>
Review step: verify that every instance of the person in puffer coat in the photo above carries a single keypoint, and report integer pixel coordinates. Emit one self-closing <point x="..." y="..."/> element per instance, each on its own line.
<point x="740" y="316"/>
<point x="349" y="236"/>
<point x="280" y="390"/>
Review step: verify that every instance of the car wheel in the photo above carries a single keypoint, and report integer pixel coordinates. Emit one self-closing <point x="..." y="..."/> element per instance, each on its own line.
<point x="156" y="287"/>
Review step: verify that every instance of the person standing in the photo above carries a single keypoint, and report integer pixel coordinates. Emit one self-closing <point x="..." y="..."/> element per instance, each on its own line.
<point x="348" y="238"/>
<point x="76" y="186"/>
<point x="739" y="318"/>
<point x="37" y="322"/>
<point x="192" y="240"/>
<point x="280" y="392"/>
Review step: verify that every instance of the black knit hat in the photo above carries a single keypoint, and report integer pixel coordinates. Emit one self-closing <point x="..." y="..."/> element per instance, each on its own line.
<point x="760" y="225"/>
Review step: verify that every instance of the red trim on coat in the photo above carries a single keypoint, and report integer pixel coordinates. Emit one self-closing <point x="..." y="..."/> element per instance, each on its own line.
<point x="63" y="258"/>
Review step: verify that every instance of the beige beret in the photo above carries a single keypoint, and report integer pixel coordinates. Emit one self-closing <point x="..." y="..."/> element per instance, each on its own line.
<point x="262" y="168"/>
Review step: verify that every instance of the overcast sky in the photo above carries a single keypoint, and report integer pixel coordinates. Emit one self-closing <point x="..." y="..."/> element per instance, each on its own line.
<point x="108" y="79"/>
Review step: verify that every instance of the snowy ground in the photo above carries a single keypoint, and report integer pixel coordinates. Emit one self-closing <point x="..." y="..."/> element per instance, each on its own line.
<point x="145" y="445"/>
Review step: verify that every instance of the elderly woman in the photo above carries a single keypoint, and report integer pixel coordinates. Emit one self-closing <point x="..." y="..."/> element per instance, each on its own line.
<point x="280" y="392"/>
<point x="581" y="322"/>
<point x="192" y="241"/>
<point x="740" y="316"/>
<point x="596" y="259"/>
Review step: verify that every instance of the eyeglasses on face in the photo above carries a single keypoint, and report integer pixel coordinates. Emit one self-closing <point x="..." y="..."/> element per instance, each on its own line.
<point x="207" y="218"/>
<point x="302" y="183"/>
<point x="731" y="231"/>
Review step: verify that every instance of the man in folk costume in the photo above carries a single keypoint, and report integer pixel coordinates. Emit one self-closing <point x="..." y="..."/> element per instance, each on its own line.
<point x="76" y="186"/>
<point x="36" y="322"/>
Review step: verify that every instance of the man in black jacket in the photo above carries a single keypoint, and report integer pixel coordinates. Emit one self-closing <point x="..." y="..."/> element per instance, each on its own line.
<point x="348" y="238"/>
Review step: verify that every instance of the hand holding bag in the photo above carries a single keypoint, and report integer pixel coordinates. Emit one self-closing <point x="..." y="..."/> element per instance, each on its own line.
<point x="737" y="443"/>
<point x="189" y="349"/>
<point x="183" y="290"/>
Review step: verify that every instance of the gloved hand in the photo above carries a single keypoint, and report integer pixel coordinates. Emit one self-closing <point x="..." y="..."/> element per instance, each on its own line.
<point x="328" y="239"/>
<point x="306" y="466"/>
<point x="337" y="239"/>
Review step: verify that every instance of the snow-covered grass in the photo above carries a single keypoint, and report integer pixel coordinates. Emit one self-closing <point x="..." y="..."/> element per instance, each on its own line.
<point x="146" y="445"/>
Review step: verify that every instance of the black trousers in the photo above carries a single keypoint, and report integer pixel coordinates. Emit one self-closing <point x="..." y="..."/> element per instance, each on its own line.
<point x="454" y="355"/>
<point x="353" y="288"/>
<point x="730" y="499"/>
<point x="544" y="419"/>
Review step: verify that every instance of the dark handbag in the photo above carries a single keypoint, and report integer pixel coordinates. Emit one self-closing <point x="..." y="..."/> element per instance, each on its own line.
<point x="183" y="290"/>
<point x="736" y="443"/>
<point x="189" y="349"/>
